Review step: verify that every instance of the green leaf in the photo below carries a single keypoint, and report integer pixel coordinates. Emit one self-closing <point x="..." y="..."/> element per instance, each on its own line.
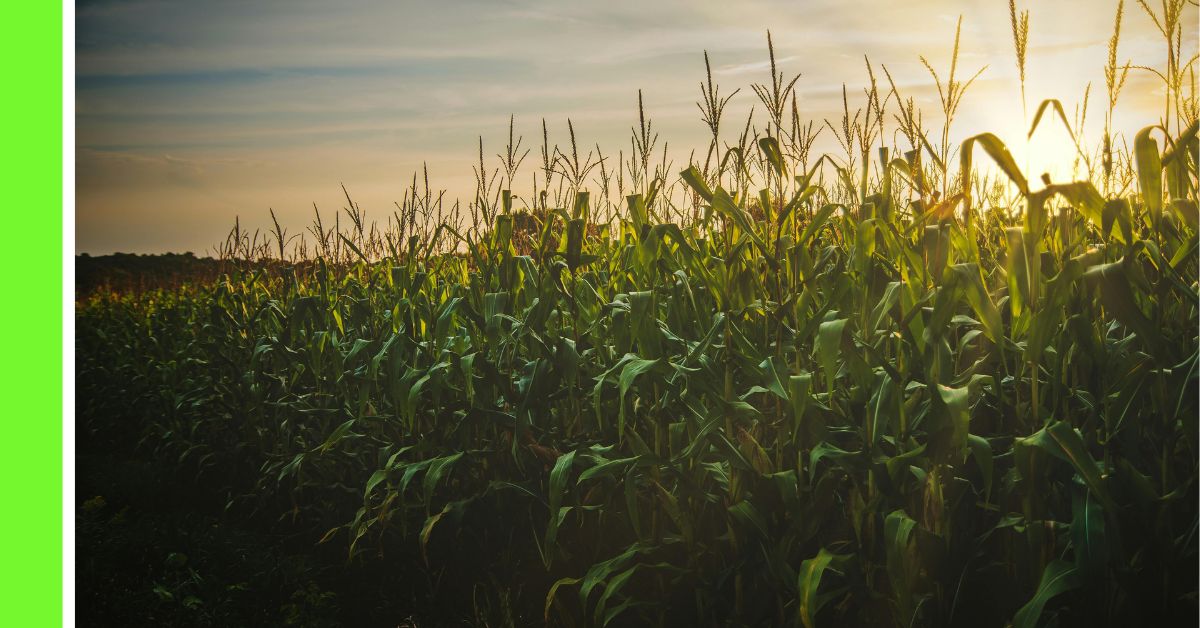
<point x="573" y="243"/>
<point x="580" y="211"/>
<point x="631" y="500"/>
<point x="558" y="486"/>
<point x="695" y="180"/>
<point x="771" y="368"/>
<point x="828" y="348"/>
<point x="377" y="477"/>
<point x="1058" y="578"/>
<point x="754" y="452"/>
<point x="750" y="518"/>
<point x="999" y="153"/>
<point x="355" y="349"/>
<point x="724" y="204"/>
<point x="1117" y="212"/>
<point x="427" y="529"/>
<point x="902" y="562"/>
<point x="554" y="589"/>
<point x="609" y="468"/>
<point x="633" y="368"/>
<point x="638" y="213"/>
<point x="981" y="450"/>
<point x="1088" y="536"/>
<point x="1118" y="298"/>
<point x="611" y="588"/>
<point x="680" y="518"/>
<point x="1016" y="271"/>
<point x="770" y="148"/>
<point x="337" y="435"/>
<point x="812" y="571"/>
<point x="600" y="571"/>
<point x="437" y="468"/>
<point x="818" y="221"/>
<point x="354" y="248"/>
<point x="971" y="281"/>
<point x="446" y="316"/>
<point x="1064" y="442"/>
<point x="1149" y="170"/>
<point x="799" y="396"/>
<point x="957" y="402"/>
<point x="644" y="313"/>
<point x="1180" y="173"/>
<point x="1058" y="108"/>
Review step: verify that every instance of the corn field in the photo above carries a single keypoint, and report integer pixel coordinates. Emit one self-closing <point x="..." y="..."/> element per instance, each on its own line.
<point x="910" y="384"/>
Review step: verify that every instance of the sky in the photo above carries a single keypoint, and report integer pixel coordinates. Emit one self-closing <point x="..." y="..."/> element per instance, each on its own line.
<point x="189" y="113"/>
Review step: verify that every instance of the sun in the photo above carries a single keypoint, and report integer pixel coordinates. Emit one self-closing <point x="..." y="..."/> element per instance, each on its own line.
<point x="1051" y="151"/>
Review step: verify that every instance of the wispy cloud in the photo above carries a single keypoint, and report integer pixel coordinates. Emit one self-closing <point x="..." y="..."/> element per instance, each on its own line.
<point x="756" y="66"/>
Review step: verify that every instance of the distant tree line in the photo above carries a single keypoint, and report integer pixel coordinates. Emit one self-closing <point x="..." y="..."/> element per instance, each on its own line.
<point x="130" y="272"/>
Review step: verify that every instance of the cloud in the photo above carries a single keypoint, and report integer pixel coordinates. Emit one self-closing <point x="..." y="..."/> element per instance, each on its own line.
<point x="756" y="66"/>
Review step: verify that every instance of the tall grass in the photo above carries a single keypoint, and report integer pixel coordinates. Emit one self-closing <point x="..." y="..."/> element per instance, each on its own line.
<point x="769" y="389"/>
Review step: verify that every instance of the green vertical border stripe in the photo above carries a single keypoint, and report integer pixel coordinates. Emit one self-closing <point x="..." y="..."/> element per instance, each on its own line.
<point x="32" y="313"/>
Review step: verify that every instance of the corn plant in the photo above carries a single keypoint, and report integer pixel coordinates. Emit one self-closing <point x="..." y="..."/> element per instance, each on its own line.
<point x="831" y="392"/>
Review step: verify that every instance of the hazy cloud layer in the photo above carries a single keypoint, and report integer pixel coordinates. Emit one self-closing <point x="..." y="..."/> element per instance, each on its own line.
<point x="191" y="113"/>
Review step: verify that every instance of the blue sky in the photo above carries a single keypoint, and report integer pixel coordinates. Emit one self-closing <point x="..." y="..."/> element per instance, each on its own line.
<point x="191" y="113"/>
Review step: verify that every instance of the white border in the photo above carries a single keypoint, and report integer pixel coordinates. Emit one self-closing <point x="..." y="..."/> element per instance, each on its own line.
<point x="68" y="321"/>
